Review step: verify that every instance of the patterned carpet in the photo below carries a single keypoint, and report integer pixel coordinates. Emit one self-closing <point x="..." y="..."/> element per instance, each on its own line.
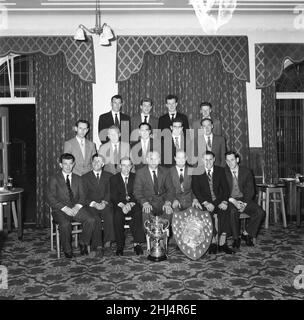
<point x="265" y="271"/>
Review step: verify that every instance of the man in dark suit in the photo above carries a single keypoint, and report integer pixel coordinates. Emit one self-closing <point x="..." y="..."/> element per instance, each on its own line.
<point x="125" y="204"/>
<point x="207" y="141"/>
<point x="96" y="184"/>
<point x="165" y="121"/>
<point x="182" y="183"/>
<point x="205" y="112"/>
<point x="172" y="141"/>
<point x="66" y="197"/>
<point x="241" y="184"/>
<point x="144" y="117"/>
<point x="153" y="188"/>
<point x="114" y="117"/>
<point x="141" y="148"/>
<point x="81" y="148"/>
<point x="211" y="190"/>
<point x="114" y="150"/>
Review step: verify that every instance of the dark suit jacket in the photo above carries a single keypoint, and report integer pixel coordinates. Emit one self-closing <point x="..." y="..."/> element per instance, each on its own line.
<point x="184" y="197"/>
<point x="95" y="191"/>
<point x="201" y="188"/>
<point x="136" y="121"/>
<point x="164" y="121"/>
<point x="218" y="148"/>
<point x="106" y="121"/>
<point x="139" y="160"/>
<point x="117" y="187"/>
<point x="245" y="180"/>
<point x="58" y="195"/>
<point x="144" y="191"/>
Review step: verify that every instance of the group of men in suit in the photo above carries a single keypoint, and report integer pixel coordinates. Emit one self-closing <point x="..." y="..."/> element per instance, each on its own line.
<point x="150" y="177"/>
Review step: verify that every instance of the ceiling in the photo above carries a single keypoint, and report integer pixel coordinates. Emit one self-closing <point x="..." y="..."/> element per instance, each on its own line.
<point x="143" y="5"/>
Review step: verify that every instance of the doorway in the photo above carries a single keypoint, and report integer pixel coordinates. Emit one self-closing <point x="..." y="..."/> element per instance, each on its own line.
<point x="22" y="155"/>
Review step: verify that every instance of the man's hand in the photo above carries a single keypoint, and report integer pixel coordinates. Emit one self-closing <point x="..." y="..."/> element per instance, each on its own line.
<point x="196" y="204"/>
<point x="147" y="208"/>
<point x="167" y="208"/>
<point x="175" y="204"/>
<point x="223" y="205"/>
<point x="68" y="211"/>
<point x="100" y="206"/>
<point x="209" y="206"/>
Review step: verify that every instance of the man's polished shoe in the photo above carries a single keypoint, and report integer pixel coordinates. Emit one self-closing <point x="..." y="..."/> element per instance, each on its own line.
<point x="119" y="252"/>
<point x="248" y="240"/>
<point x="138" y="250"/>
<point x="68" y="255"/>
<point x="226" y="249"/>
<point x="236" y="243"/>
<point x="213" y="248"/>
<point x="83" y="249"/>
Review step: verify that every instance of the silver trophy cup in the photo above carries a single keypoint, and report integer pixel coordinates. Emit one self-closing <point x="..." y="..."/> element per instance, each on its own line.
<point x="157" y="235"/>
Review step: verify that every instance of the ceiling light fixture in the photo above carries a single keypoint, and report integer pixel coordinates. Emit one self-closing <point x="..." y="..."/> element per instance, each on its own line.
<point x="103" y="31"/>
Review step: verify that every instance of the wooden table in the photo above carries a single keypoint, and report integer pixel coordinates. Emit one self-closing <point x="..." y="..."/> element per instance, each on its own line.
<point x="12" y="196"/>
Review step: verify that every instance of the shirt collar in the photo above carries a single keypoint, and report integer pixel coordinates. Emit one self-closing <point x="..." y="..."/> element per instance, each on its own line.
<point x="65" y="175"/>
<point x="211" y="170"/>
<point x="179" y="169"/>
<point x="143" y="117"/>
<point x="210" y="135"/>
<point x="170" y="114"/>
<point x="156" y="171"/>
<point x="99" y="172"/>
<point x="79" y="139"/>
<point x="236" y="170"/>
<point x="113" y="114"/>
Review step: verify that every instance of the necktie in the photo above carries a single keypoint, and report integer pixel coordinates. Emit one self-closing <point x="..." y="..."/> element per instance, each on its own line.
<point x="115" y="155"/>
<point x="82" y="147"/>
<point x="176" y="143"/>
<point x="209" y="143"/>
<point x="234" y="175"/>
<point x="209" y="175"/>
<point x="116" y="122"/>
<point x="146" y="117"/>
<point x="126" y="187"/>
<point x="181" y="177"/>
<point x="97" y="177"/>
<point x="68" y="184"/>
<point x="172" y="116"/>
<point x="155" y="182"/>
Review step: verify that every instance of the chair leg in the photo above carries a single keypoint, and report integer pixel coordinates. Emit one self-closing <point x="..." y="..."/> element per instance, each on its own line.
<point x="14" y="214"/>
<point x="283" y="209"/>
<point x="148" y="243"/>
<point x="275" y="207"/>
<point x="57" y="241"/>
<point x="267" y="210"/>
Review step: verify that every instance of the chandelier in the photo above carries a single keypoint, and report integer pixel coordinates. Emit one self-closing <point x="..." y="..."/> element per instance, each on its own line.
<point x="103" y="31"/>
<point x="212" y="14"/>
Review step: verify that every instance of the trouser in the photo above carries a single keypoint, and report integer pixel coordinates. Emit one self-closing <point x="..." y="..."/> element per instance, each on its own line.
<point x="136" y="225"/>
<point x="256" y="214"/>
<point x="89" y="227"/>
<point x="108" y="224"/>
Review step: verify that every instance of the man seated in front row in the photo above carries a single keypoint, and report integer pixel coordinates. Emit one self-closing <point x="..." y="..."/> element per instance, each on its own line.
<point x="125" y="204"/>
<point x="66" y="197"/>
<point x="153" y="189"/>
<point x="182" y="183"/>
<point x="241" y="183"/>
<point x="211" y="190"/>
<point x="96" y="184"/>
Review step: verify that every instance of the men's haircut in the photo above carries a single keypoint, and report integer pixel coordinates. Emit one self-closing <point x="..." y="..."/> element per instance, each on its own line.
<point x="146" y="100"/>
<point x="146" y="124"/>
<point x="205" y="103"/>
<point x="66" y="156"/>
<point x="97" y="155"/>
<point x="115" y="128"/>
<point x="181" y="151"/>
<point x="179" y="120"/>
<point x="126" y="158"/>
<point x="228" y="153"/>
<point x="210" y="153"/>
<point x="204" y="119"/>
<point x="117" y="96"/>
<point x="171" y="96"/>
<point x="82" y="121"/>
<point x="152" y="151"/>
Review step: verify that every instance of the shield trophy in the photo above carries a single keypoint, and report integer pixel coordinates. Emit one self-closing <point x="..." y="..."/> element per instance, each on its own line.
<point x="192" y="229"/>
